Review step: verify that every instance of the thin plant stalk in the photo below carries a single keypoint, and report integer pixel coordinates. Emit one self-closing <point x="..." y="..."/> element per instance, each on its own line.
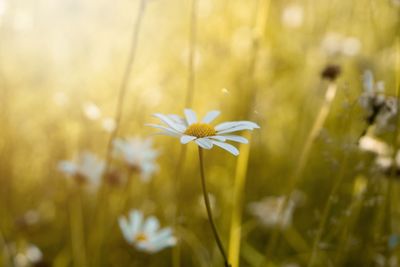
<point x="7" y="251"/>
<point x="240" y="178"/>
<point x="383" y="217"/>
<point x="350" y="224"/>
<point x="209" y="212"/>
<point x="176" y="251"/>
<point x="396" y="132"/>
<point x="305" y="153"/>
<point x="328" y="205"/>
<point x="260" y="16"/>
<point x="97" y="241"/>
<point x="77" y="229"/>
<point x="125" y="80"/>
<point x="326" y="211"/>
<point x="315" y="130"/>
<point x="390" y="196"/>
<point x="191" y="240"/>
<point x="121" y="197"/>
<point x="191" y="57"/>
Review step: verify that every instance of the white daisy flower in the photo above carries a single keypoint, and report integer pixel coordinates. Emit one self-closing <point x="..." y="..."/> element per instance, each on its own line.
<point x="138" y="154"/>
<point x="202" y="132"/>
<point x="27" y="255"/>
<point x="145" y="234"/>
<point x="88" y="168"/>
<point x="270" y="211"/>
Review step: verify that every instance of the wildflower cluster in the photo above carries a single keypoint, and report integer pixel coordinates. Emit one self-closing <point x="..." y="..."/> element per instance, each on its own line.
<point x="145" y="234"/>
<point x="139" y="157"/>
<point x="136" y="154"/>
<point x="380" y="109"/>
<point x="381" y="116"/>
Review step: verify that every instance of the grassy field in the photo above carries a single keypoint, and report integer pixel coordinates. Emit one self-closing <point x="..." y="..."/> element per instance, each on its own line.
<point x="85" y="181"/>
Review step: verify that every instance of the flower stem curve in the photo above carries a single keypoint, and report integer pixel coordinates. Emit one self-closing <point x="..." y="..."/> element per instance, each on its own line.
<point x="209" y="212"/>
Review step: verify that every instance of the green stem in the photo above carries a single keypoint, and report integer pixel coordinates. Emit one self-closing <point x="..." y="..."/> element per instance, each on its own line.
<point x="7" y="250"/>
<point x="338" y="182"/>
<point x="326" y="212"/>
<point x="102" y="195"/>
<point x="304" y="156"/>
<point x="208" y="208"/>
<point x="77" y="229"/>
<point x="125" y="80"/>
<point x="176" y="251"/>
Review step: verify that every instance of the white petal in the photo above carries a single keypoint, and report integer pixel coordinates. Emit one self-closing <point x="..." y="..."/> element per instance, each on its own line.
<point x="126" y="230"/>
<point x="136" y="218"/>
<point x="161" y="235"/>
<point x="235" y="129"/>
<point x="167" y="129"/>
<point x="164" y="244"/>
<point x="210" y="116"/>
<point x="163" y="239"/>
<point x="145" y="246"/>
<point x="177" y="119"/>
<point x="230" y="124"/>
<point x="190" y="116"/>
<point x="204" y="143"/>
<point x="236" y="138"/>
<point x="68" y="167"/>
<point x="368" y="81"/>
<point x="168" y="134"/>
<point x="227" y="147"/>
<point x="151" y="225"/>
<point x="187" y="138"/>
<point x="171" y="123"/>
<point x="218" y="138"/>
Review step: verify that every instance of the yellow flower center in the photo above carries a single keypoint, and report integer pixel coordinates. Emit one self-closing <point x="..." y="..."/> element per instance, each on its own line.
<point x="200" y="130"/>
<point x="141" y="237"/>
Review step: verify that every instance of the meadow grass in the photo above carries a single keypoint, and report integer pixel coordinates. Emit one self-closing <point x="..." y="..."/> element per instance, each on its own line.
<point x="316" y="185"/>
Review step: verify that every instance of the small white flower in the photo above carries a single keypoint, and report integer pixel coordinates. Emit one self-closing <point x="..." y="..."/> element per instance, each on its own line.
<point x="385" y="162"/>
<point x="269" y="210"/>
<point x="91" y="111"/>
<point x="138" y="154"/>
<point x="351" y="46"/>
<point x="202" y="132"/>
<point x="292" y="16"/>
<point x="30" y="217"/>
<point x="145" y="234"/>
<point x="28" y="255"/>
<point x="338" y="44"/>
<point x="87" y="169"/>
<point x="108" y="124"/>
<point x="374" y="145"/>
